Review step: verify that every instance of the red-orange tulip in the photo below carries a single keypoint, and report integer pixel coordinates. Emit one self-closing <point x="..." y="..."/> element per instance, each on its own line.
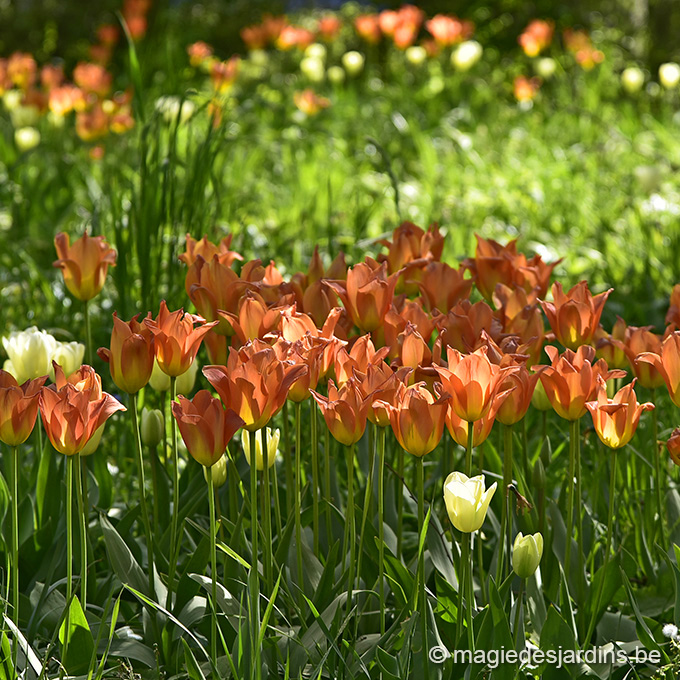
<point x="640" y="341"/>
<point x="418" y="418"/>
<point x="84" y="264"/>
<point x="616" y="419"/>
<point x="442" y="287"/>
<point x="461" y="328"/>
<point x="667" y="363"/>
<point x="367" y="294"/>
<point x="254" y="383"/>
<point x="254" y="318"/>
<point x="207" y="250"/>
<point x="176" y="341"/>
<point x="71" y="417"/>
<point x="362" y="354"/>
<point x="575" y="316"/>
<point x="571" y="381"/>
<point x="481" y="429"/>
<point x="383" y="387"/>
<point x="472" y="382"/>
<point x="205" y="425"/>
<point x="345" y="411"/>
<point x="673" y="446"/>
<point x="515" y="405"/>
<point x="673" y="314"/>
<point x="18" y="408"/>
<point x="130" y="357"/>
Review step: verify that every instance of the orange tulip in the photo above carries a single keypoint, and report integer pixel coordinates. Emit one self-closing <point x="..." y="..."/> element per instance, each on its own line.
<point x="18" y="408"/>
<point x="673" y="314"/>
<point x="571" y="381"/>
<point x="413" y="350"/>
<point x="345" y="411"/>
<point x="254" y="319"/>
<point x="616" y="419"/>
<point x="84" y="264"/>
<point x="254" y="383"/>
<point x="383" y="387"/>
<point x="205" y="425"/>
<point x="667" y="363"/>
<point x="367" y="294"/>
<point x="296" y="325"/>
<point x="575" y="317"/>
<point x="481" y="429"/>
<point x="638" y="341"/>
<point x="71" y="417"/>
<point x="473" y="382"/>
<point x="362" y="354"/>
<point x="673" y="446"/>
<point x="515" y="405"/>
<point x="308" y="351"/>
<point x="442" y="286"/>
<point x="130" y="357"/>
<point x="610" y="347"/>
<point x="176" y="341"/>
<point x="208" y="250"/>
<point x="418" y="418"/>
<point x="462" y="327"/>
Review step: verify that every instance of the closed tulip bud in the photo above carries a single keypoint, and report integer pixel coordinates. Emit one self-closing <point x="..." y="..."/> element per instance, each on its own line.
<point x="416" y="55"/>
<point x="546" y="67"/>
<point x="526" y="554"/>
<point x="26" y="138"/>
<point x="316" y="51"/>
<point x="353" y="62"/>
<point x="30" y="354"/>
<point x="632" y="79"/>
<point x="219" y="472"/>
<point x="669" y="75"/>
<point x="336" y="74"/>
<point x="153" y="427"/>
<point x="538" y="475"/>
<point x="466" y="55"/>
<point x="272" y="447"/>
<point x="673" y="446"/>
<point x="467" y="500"/>
<point x="69" y="355"/>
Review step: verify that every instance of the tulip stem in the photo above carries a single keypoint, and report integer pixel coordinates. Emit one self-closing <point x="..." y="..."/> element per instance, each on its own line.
<point x="69" y="551"/>
<point x="381" y="527"/>
<point x="15" y="541"/>
<point x="298" y="494"/>
<point x="82" y="529"/>
<point x="350" y="523"/>
<point x="142" y="490"/>
<point x="154" y="481"/>
<point x="368" y="496"/>
<point x="232" y="476"/>
<point x="277" y="506"/>
<point x="506" y="524"/>
<point x="400" y="498"/>
<point x="213" y="567"/>
<point x="88" y="333"/>
<point x="254" y="577"/>
<point x="570" y="498"/>
<point x="266" y="514"/>
<point x="327" y="489"/>
<point x="470" y="595"/>
<point x="468" y="449"/>
<point x="421" y="564"/>
<point x="287" y="458"/>
<point x="175" y="500"/>
<point x="607" y="547"/>
<point x="657" y="473"/>
<point x="315" y="477"/>
<point x="518" y="612"/>
<point x="576" y="424"/>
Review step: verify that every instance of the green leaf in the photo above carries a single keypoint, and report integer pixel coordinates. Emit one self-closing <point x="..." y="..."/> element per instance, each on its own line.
<point x="80" y="641"/>
<point x="193" y="669"/>
<point x="122" y="560"/>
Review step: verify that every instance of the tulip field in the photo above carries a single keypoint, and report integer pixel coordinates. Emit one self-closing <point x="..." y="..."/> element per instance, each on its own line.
<point x="338" y="343"/>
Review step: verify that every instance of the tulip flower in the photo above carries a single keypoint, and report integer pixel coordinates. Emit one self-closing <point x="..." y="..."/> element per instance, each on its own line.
<point x="205" y="425"/>
<point x="176" y="341"/>
<point x="667" y="364"/>
<point x="345" y="411"/>
<point x="442" y="287"/>
<point x="526" y="554"/>
<point x="254" y="318"/>
<point x="18" y="408"/>
<point x="575" y="316"/>
<point x="481" y="429"/>
<point x="418" y="419"/>
<point x="30" y="354"/>
<point x="272" y="437"/>
<point x="367" y="293"/>
<point x="639" y="343"/>
<point x="673" y="446"/>
<point x="362" y="354"/>
<point x="219" y="472"/>
<point x="616" y="419"/>
<point x="515" y="405"/>
<point x="467" y="500"/>
<point x="160" y="381"/>
<point x="255" y="382"/>
<point x="383" y="387"/>
<point x="207" y="250"/>
<point x="84" y="264"/>
<point x="610" y="347"/>
<point x="461" y="328"/>
<point x="69" y="355"/>
<point x="131" y="356"/>
<point x="153" y="427"/>
<point x="472" y="382"/>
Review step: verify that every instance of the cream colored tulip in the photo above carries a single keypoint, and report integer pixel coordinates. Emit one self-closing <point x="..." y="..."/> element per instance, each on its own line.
<point x="467" y="500"/>
<point x="526" y="554"/>
<point x="69" y="355"/>
<point x="30" y="354"/>
<point x="219" y="472"/>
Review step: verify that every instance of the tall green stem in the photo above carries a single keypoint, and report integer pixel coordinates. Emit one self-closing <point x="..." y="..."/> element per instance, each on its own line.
<point x="82" y="533"/>
<point x="298" y="494"/>
<point x="657" y="474"/>
<point x="518" y="612"/>
<point x="88" y="333"/>
<point x="576" y="424"/>
<point x="15" y="538"/>
<point x="421" y="565"/>
<point x="570" y="496"/>
<point x="470" y="597"/>
<point x="213" y="567"/>
<point x="368" y="496"/>
<point x="142" y="492"/>
<point x="350" y="523"/>
<point x="381" y="527"/>
<point x="468" y="449"/>
<point x="254" y="578"/>
<point x="607" y="546"/>
<point x="507" y="480"/>
<point x="69" y="550"/>
<point x="287" y="459"/>
<point x="327" y="488"/>
<point x="400" y="498"/>
<point x="175" y="501"/>
<point x="277" y="504"/>
<point x="315" y="477"/>
<point x="267" y="515"/>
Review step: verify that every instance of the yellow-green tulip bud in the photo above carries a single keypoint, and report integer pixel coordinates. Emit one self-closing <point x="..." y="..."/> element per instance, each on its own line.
<point x="526" y="554"/>
<point x="153" y="427"/>
<point x="219" y="472"/>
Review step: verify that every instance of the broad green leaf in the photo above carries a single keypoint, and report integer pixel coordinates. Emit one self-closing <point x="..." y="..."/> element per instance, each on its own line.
<point x="122" y="560"/>
<point x="80" y="641"/>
